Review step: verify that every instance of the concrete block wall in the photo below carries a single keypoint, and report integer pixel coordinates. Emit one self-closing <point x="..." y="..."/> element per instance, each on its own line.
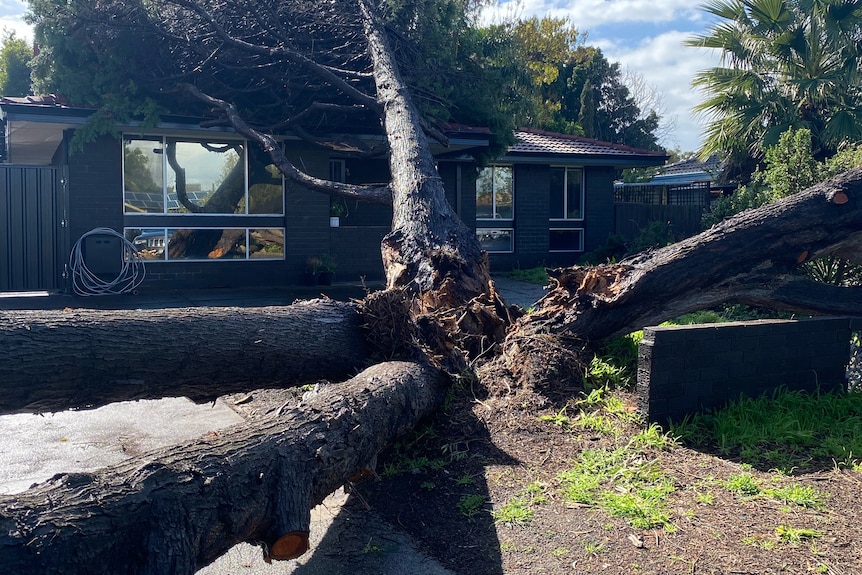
<point x="598" y="206"/>
<point x="532" y="184"/>
<point x="685" y="369"/>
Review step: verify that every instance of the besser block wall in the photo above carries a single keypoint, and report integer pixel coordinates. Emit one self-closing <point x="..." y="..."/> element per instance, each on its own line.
<point x="685" y="369"/>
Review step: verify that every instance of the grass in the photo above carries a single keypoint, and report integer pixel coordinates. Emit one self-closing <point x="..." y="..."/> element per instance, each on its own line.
<point x="471" y="505"/>
<point x="785" y="431"/>
<point x="794" y="536"/>
<point x="623" y="483"/>
<point x="537" y="275"/>
<point x="520" y="508"/>
<point x="782" y="433"/>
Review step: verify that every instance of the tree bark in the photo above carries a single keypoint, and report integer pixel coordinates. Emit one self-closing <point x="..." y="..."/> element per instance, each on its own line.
<point x="430" y="252"/>
<point x="752" y="258"/>
<point x="178" y="509"/>
<point x="744" y="259"/>
<point x="86" y="358"/>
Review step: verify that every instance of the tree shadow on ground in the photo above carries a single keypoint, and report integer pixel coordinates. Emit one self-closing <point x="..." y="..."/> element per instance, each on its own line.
<point x="433" y="486"/>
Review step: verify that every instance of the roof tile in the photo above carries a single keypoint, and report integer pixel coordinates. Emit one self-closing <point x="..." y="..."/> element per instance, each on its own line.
<point x="530" y="141"/>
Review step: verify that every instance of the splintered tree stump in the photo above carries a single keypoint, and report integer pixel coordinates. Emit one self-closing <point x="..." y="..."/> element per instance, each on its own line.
<point x="56" y="360"/>
<point x="176" y="510"/>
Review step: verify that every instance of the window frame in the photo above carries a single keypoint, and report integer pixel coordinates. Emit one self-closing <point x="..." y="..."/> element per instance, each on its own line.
<point x="162" y="140"/>
<point x="511" y="232"/>
<point x="581" y="234"/>
<point x="494" y="168"/>
<point x="165" y="230"/>
<point x="565" y="217"/>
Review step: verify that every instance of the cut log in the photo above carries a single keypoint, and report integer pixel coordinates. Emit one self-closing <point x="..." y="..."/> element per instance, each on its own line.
<point x="178" y="509"/>
<point x="56" y="360"/>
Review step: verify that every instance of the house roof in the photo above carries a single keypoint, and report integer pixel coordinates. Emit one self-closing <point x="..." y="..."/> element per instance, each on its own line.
<point x="36" y="123"/>
<point x="541" y="146"/>
<point x="690" y="170"/>
<point x="35" y="126"/>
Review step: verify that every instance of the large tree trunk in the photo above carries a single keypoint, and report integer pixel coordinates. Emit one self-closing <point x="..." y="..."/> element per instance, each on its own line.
<point x="86" y="358"/>
<point x="429" y="252"/>
<point x="178" y="509"/>
<point x="752" y="258"/>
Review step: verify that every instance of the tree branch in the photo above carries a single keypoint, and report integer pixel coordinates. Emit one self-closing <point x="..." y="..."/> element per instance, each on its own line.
<point x="178" y="509"/>
<point x="324" y="72"/>
<point x="378" y="194"/>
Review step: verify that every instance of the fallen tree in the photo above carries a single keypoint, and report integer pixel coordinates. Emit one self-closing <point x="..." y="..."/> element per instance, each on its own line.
<point x="87" y="358"/>
<point x="178" y="509"/>
<point x="752" y="258"/>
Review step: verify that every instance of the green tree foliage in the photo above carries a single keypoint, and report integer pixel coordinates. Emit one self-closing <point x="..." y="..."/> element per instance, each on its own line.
<point x="15" y="56"/>
<point x="458" y="72"/>
<point x="791" y="167"/>
<point x="786" y="64"/>
<point x="128" y="56"/>
<point x="566" y="86"/>
<point x="587" y="113"/>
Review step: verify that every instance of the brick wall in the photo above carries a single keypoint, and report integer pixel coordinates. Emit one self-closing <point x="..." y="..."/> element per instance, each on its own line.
<point x="306" y="215"/>
<point x="598" y="206"/>
<point x="684" y="369"/>
<point x="532" y="183"/>
<point x="95" y="188"/>
<point x="356" y="251"/>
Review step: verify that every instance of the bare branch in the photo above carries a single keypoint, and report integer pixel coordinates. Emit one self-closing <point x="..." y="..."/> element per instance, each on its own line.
<point x="322" y="71"/>
<point x="378" y="194"/>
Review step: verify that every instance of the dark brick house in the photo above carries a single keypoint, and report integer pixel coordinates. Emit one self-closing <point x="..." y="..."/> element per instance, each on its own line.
<point x="235" y="221"/>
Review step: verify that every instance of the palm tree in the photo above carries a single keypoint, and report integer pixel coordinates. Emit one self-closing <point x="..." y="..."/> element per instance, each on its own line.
<point x="785" y="64"/>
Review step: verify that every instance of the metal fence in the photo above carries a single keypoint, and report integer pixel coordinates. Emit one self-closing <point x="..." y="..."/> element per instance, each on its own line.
<point x="692" y="194"/>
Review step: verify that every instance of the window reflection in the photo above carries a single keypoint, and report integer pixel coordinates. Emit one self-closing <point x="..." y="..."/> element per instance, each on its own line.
<point x="207" y="244"/>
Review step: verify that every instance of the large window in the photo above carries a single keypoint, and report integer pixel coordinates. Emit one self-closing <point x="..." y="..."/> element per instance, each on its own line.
<point x="207" y="244"/>
<point x="495" y="193"/>
<point x="567" y="193"/>
<point x="165" y="175"/>
<point x="566" y="240"/>
<point x="497" y="240"/>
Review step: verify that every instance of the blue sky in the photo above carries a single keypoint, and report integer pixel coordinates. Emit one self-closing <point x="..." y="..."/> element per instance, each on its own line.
<point x="644" y="36"/>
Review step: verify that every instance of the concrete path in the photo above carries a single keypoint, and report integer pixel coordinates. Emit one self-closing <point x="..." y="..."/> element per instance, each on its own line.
<point x="519" y="293"/>
<point x="347" y="538"/>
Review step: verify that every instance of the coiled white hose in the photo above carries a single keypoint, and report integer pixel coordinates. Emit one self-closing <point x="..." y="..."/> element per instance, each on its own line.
<point x="86" y="283"/>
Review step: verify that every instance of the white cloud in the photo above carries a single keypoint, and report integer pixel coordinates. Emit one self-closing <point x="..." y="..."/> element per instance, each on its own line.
<point x="16" y="24"/>
<point x="590" y="13"/>
<point x="646" y="37"/>
<point x="665" y="63"/>
<point x="12" y="19"/>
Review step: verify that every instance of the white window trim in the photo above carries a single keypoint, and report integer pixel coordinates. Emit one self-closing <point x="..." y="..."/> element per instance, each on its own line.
<point x="566" y="196"/>
<point x="162" y="141"/>
<point x="581" y="249"/>
<point x="511" y="231"/>
<point x="494" y="198"/>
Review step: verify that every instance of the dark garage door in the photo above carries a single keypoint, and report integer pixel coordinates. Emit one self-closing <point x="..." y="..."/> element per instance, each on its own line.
<point x="31" y="213"/>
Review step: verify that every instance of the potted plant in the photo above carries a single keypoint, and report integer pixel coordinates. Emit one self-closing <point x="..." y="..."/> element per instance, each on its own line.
<point x="336" y="209"/>
<point x="313" y="265"/>
<point x="327" y="270"/>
